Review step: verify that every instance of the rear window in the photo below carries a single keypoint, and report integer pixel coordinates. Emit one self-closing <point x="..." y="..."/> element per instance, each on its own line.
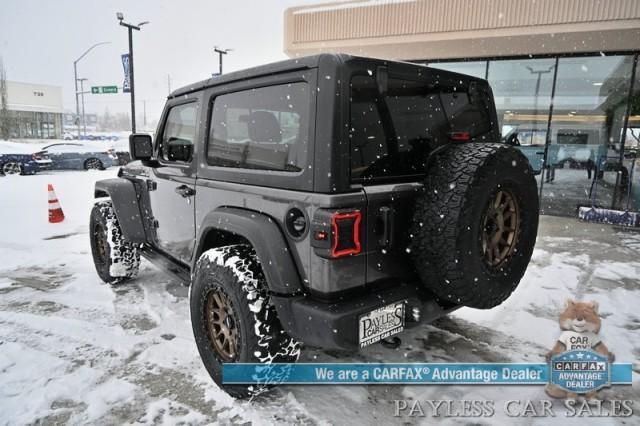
<point x="573" y="138"/>
<point x="264" y="128"/>
<point x="392" y="134"/>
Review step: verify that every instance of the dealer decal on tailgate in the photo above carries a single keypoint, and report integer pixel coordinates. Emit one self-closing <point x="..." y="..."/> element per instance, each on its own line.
<point x="380" y="323"/>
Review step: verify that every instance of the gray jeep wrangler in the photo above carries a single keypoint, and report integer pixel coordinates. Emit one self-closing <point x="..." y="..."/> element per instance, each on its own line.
<point x="330" y="201"/>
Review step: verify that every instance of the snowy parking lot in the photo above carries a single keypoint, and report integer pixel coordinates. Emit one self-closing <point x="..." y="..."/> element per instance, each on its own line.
<point x="73" y="349"/>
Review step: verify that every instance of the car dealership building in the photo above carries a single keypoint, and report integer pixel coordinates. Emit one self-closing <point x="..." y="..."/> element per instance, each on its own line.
<point x="35" y="110"/>
<point x="563" y="72"/>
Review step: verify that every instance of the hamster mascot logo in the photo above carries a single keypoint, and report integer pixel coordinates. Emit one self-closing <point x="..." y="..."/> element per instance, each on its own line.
<point x="579" y="361"/>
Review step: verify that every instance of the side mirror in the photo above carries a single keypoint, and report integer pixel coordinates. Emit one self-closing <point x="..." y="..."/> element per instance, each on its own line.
<point x="140" y="146"/>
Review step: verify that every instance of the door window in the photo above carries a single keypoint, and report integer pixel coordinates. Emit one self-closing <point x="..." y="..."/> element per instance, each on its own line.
<point x="179" y="134"/>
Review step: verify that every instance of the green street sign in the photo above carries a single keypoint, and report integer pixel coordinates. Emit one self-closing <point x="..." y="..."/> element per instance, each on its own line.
<point x="97" y="90"/>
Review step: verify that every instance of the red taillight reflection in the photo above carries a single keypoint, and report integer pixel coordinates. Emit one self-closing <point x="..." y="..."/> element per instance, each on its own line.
<point x="346" y="233"/>
<point x="460" y="136"/>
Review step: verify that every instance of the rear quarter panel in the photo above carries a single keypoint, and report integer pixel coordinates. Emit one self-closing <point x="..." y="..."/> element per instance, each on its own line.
<point x="317" y="274"/>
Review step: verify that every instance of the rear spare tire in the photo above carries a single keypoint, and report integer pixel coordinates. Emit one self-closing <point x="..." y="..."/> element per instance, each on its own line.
<point x="475" y="224"/>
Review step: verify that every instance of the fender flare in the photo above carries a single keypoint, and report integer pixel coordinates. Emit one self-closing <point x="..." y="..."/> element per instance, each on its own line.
<point x="265" y="236"/>
<point x="126" y="205"/>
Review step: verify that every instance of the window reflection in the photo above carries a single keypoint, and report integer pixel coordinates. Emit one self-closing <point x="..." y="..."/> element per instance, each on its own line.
<point x="473" y="68"/>
<point x="631" y="163"/>
<point x="586" y="128"/>
<point x="522" y="92"/>
<point x="586" y="138"/>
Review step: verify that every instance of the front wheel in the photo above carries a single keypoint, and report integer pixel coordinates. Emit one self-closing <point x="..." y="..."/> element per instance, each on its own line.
<point x="12" y="168"/>
<point x="115" y="258"/>
<point x="232" y="318"/>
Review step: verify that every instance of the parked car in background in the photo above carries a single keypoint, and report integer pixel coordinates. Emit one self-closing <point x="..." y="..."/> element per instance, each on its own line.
<point x="96" y="137"/>
<point x="73" y="136"/>
<point x="78" y="156"/>
<point x="121" y="150"/>
<point x="531" y="143"/>
<point x="123" y="157"/>
<point x="16" y="159"/>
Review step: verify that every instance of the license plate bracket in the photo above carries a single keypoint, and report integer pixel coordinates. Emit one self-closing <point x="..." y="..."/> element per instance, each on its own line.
<point x="381" y="323"/>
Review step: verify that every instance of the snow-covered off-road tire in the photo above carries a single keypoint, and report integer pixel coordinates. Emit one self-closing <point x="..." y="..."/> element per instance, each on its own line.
<point x="475" y="224"/>
<point x="232" y="318"/>
<point x="115" y="258"/>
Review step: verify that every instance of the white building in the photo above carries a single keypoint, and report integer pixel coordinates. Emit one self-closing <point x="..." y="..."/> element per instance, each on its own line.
<point x="36" y="110"/>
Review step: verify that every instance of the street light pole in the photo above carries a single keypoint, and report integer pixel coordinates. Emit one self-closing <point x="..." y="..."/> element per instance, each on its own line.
<point x="75" y="79"/>
<point x="220" y="53"/>
<point x="84" y="122"/>
<point x="130" y="29"/>
<point x="537" y="93"/>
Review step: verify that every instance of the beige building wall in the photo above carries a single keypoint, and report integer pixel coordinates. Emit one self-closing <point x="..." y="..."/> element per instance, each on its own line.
<point x="452" y="29"/>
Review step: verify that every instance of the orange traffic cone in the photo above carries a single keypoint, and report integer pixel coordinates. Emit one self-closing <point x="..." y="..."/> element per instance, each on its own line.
<point x="55" y="211"/>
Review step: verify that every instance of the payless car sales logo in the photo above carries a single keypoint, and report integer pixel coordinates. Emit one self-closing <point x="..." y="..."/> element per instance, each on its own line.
<point x="380" y="323"/>
<point x="580" y="371"/>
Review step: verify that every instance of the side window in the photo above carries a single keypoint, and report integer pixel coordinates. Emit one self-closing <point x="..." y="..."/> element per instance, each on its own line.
<point x="179" y="133"/>
<point x="264" y="128"/>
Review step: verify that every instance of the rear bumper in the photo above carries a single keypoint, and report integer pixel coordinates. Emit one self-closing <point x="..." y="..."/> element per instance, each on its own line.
<point x="43" y="164"/>
<point x="335" y="325"/>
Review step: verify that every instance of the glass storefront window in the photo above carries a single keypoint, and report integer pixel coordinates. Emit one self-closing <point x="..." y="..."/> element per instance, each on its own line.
<point x="588" y="152"/>
<point x="631" y="159"/>
<point x="473" y="68"/>
<point x="36" y="125"/>
<point x="522" y="92"/>
<point x="586" y="128"/>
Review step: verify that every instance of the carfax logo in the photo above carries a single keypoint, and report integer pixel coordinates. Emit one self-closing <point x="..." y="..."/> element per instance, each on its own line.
<point x="580" y="371"/>
<point x="579" y="361"/>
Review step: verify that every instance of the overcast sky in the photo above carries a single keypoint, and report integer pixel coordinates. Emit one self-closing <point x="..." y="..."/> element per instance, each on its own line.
<point x="40" y="39"/>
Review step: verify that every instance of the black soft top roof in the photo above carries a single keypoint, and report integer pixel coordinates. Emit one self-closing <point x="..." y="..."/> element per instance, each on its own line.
<point x="306" y="62"/>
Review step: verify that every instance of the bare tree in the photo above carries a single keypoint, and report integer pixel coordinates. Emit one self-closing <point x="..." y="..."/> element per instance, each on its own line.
<point x="5" y="117"/>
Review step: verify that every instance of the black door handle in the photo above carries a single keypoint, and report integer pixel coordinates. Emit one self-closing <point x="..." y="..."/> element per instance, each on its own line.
<point x="185" y="191"/>
<point x="540" y="153"/>
<point x="386" y="216"/>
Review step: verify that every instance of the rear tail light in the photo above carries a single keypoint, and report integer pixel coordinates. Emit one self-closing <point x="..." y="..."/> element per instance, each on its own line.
<point x="460" y="136"/>
<point x="40" y="155"/>
<point x="345" y="228"/>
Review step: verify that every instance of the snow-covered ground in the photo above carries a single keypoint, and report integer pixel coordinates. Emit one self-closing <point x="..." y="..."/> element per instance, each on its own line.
<point x="75" y="350"/>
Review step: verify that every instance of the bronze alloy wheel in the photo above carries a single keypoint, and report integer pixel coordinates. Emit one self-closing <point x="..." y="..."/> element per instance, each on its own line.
<point x="501" y="225"/>
<point x="221" y="325"/>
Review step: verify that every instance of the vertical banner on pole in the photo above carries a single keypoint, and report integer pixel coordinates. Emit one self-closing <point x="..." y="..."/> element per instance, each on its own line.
<point x="126" y="85"/>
